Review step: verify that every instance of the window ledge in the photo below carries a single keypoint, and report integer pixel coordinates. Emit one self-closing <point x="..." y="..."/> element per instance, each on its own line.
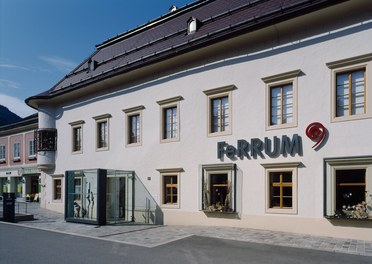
<point x="168" y="206"/>
<point x="16" y="159"/>
<point x="219" y="212"/>
<point x="32" y="158"/>
<point x="330" y="217"/>
<point x="2" y="161"/>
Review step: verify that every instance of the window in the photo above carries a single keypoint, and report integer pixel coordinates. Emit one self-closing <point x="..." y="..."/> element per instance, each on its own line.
<point x="57" y="189"/>
<point x="218" y="188"/>
<point x="350" y="95"/>
<point x="31" y="149"/>
<point x="220" y="114"/>
<point x="219" y="111"/>
<point x="170" y="190"/>
<point x="46" y="139"/>
<point x="170" y="126"/>
<point x="281" y="100"/>
<point x="281" y="187"/>
<point x="2" y="154"/>
<point x="281" y="104"/>
<point x="102" y="131"/>
<point x="102" y="134"/>
<point x="17" y="151"/>
<point x="349" y="188"/>
<point x="133" y="124"/>
<point x="78" y="189"/>
<point x="134" y="128"/>
<point x="77" y="136"/>
<point x="192" y="25"/>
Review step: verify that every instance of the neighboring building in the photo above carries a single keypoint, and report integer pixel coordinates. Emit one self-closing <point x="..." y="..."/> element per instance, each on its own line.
<point x="18" y="165"/>
<point x="209" y="115"/>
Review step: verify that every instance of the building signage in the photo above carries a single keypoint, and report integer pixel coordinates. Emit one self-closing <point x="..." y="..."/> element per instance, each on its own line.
<point x="316" y="132"/>
<point x="256" y="147"/>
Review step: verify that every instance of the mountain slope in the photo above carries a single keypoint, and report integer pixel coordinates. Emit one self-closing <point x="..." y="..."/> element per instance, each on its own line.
<point x="7" y="117"/>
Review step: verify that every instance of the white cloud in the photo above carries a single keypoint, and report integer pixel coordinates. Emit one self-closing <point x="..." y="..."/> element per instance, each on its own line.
<point x="59" y="63"/>
<point x="13" y="66"/>
<point x="8" y="84"/>
<point x="16" y="105"/>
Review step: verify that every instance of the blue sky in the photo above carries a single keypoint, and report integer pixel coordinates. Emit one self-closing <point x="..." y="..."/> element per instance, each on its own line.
<point x="42" y="40"/>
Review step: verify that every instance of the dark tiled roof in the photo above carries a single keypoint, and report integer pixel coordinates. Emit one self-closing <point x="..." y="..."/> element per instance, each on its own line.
<point x="167" y="36"/>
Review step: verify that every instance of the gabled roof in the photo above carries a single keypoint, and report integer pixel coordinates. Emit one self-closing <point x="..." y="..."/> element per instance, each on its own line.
<point x="167" y="36"/>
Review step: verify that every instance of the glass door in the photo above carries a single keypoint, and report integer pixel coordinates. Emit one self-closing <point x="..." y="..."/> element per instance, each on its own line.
<point x="117" y="209"/>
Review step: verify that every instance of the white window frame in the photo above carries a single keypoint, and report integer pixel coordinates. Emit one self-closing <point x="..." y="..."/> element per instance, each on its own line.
<point x="212" y="94"/>
<point x="348" y="65"/>
<point x="31" y="149"/>
<point x="129" y="113"/>
<point x="102" y="119"/>
<point x="75" y="125"/>
<point x="170" y="172"/>
<point x="281" y="167"/>
<point x="17" y="157"/>
<point x="277" y="81"/>
<point x="2" y="153"/>
<point x="332" y="165"/>
<point x="166" y="104"/>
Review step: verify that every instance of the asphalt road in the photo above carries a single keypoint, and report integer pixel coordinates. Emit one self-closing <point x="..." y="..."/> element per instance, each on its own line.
<point x="21" y="245"/>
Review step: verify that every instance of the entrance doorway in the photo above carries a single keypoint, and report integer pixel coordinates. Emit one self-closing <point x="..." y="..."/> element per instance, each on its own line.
<point x="116" y="202"/>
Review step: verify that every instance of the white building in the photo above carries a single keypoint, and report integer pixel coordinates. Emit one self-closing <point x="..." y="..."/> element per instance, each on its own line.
<point x="223" y="113"/>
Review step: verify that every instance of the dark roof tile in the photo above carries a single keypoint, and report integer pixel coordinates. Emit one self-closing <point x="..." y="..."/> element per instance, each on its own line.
<point x="167" y="36"/>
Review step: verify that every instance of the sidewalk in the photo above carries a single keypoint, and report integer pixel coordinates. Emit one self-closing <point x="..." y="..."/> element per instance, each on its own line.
<point x="152" y="236"/>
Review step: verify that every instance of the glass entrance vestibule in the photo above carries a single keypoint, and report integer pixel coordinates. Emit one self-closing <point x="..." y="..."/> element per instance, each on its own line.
<point x="100" y="196"/>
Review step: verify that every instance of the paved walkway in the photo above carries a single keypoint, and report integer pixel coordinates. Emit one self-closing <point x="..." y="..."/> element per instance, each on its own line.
<point x="152" y="236"/>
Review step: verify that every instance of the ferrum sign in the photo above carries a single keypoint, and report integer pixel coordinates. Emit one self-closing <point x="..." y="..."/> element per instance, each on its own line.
<point x="259" y="148"/>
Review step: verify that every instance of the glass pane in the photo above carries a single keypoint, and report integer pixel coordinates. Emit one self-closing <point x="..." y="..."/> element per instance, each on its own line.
<point x="287" y="202"/>
<point x="350" y="188"/>
<point x="275" y="177"/>
<point x="287" y="191"/>
<point x="274" y="202"/>
<point x="287" y="176"/>
<point x="275" y="191"/>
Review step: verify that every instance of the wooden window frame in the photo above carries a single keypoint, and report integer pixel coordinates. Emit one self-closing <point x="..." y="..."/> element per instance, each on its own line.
<point x="74" y="126"/>
<point x="218" y="93"/>
<point x="350" y="94"/>
<point x="280" y="80"/>
<point x="172" y="172"/>
<point x="55" y="198"/>
<point x="100" y="120"/>
<point x="281" y="167"/>
<point x="350" y="65"/>
<point x="173" y="102"/>
<point x="129" y="113"/>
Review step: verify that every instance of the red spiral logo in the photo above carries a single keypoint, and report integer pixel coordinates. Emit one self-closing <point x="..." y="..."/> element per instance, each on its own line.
<point x="316" y="131"/>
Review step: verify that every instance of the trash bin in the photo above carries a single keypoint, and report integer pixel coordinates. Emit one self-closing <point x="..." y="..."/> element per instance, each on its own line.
<point x="9" y="207"/>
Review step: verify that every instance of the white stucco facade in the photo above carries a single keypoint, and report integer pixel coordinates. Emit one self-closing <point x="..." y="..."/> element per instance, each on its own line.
<point x="241" y="63"/>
